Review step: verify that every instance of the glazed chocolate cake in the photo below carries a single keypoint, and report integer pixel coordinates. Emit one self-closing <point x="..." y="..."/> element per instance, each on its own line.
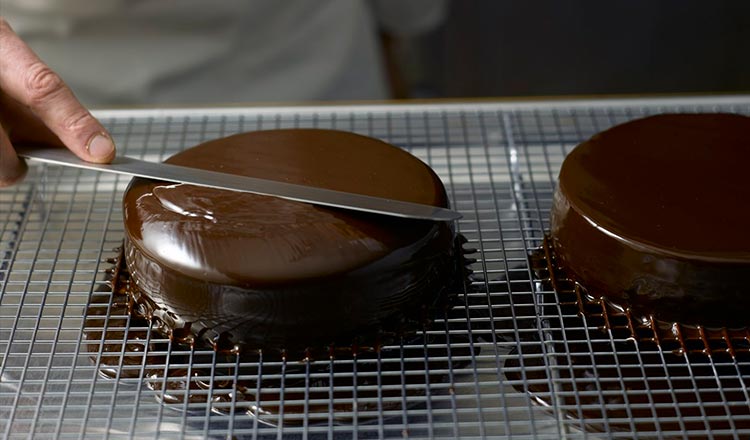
<point x="243" y="270"/>
<point x="652" y="215"/>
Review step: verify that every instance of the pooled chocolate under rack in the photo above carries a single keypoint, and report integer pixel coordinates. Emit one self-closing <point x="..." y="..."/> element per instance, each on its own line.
<point x="615" y="373"/>
<point x="177" y="366"/>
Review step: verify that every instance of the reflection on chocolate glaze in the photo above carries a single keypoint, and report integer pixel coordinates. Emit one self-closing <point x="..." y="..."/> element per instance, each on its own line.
<point x="652" y="215"/>
<point x="242" y="270"/>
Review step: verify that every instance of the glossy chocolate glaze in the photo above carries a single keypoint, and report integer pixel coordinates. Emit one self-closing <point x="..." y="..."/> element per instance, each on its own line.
<point x="247" y="270"/>
<point x="652" y="215"/>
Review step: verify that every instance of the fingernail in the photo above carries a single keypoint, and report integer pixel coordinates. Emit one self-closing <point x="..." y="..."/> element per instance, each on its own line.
<point x="101" y="147"/>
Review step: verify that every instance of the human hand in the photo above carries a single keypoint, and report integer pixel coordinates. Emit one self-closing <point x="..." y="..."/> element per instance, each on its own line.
<point x="37" y="107"/>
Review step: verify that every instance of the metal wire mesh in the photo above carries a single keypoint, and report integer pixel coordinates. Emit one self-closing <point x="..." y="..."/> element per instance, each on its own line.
<point x="509" y="360"/>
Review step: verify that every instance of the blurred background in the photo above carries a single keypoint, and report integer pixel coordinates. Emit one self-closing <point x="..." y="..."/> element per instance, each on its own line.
<point x="504" y="48"/>
<point x="162" y="52"/>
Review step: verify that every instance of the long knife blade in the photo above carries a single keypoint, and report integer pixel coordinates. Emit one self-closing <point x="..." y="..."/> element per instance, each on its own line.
<point x="212" y="179"/>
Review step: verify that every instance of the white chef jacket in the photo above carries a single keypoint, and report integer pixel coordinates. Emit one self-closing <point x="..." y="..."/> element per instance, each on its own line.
<point x="114" y="52"/>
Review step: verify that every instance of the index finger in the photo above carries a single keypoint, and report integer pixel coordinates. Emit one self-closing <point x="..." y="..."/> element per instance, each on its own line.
<point x="25" y="78"/>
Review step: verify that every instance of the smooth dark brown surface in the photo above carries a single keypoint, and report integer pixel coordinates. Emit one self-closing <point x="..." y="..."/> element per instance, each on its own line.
<point x="243" y="269"/>
<point x="652" y="214"/>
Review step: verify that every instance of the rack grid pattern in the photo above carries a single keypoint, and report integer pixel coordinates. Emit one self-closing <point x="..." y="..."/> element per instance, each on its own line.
<point x="500" y="364"/>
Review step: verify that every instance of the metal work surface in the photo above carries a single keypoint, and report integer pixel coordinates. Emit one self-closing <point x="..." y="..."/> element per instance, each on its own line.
<point x="509" y="360"/>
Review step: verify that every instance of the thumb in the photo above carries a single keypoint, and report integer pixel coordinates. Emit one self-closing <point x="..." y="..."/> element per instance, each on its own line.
<point x="25" y="78"/>
<point x="12" y="168"/>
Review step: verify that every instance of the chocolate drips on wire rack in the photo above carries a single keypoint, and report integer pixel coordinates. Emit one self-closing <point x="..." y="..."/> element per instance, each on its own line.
<point x="326" y="386"/>
<point x="669" y="336"/>
<point x="616" y="373"/>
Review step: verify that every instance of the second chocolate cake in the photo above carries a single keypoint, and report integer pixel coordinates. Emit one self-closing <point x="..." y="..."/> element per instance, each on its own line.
<point x="652" y="215"/>
<point x="243" y="270"/>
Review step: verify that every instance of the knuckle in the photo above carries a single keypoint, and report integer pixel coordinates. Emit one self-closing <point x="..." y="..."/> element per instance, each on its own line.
<point x="41" y="84"/>
<point x="76" y="120"/>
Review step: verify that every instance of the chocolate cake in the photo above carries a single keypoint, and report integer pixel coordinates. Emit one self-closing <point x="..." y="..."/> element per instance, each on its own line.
<point x="243" y="270"/>
<point x="652" y="215"/>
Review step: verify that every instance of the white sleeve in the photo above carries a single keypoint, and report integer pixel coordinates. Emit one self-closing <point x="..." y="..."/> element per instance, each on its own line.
<point x="409" y="17"/>
<point x="53" y="17"/>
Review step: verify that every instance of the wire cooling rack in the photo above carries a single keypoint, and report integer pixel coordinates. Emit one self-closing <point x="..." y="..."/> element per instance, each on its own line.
<point x="507" y="361"/>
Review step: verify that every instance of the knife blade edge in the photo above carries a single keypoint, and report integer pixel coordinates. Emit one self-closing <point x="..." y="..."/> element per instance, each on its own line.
<point x="175" y="173"/>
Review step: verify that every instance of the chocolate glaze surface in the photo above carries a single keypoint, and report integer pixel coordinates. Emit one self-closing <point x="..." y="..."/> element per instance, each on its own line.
<point x="652" y="214"/>
<point x="241" y="269"/>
